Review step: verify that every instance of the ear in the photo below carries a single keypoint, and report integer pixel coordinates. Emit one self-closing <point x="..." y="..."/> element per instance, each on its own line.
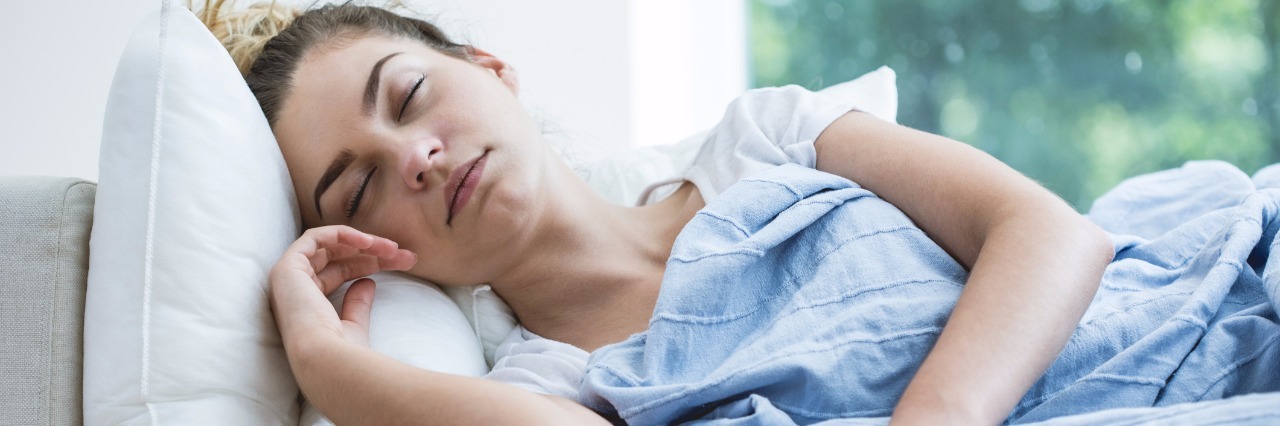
<point x="502" y="70"/>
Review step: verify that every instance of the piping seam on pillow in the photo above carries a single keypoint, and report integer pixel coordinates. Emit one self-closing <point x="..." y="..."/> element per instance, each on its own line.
<point x="156" y="131"/>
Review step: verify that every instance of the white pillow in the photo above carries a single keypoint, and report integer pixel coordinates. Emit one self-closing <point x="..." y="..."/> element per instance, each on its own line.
<point x="194" y="206"/>
<point x="193" y="209"/>
<point x="621" y="177"/>
<point x="414" y="322"/>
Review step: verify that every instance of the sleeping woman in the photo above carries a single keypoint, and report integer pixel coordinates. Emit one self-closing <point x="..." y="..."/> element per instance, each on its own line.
<point x="949" y="283"/>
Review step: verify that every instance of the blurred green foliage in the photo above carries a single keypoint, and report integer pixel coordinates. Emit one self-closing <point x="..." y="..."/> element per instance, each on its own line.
<point x="1076" y="94"/>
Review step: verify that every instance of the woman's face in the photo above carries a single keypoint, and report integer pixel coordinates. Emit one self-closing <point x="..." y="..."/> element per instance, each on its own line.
<point x="398" y="140"/>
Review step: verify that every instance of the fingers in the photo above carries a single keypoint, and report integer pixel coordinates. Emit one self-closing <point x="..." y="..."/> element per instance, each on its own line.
<point x="338" y="272"/>
<point x="344" y="254"/>
<point x="325" y="255"/>
<point x="398" y="261"/>
<point x="402" y="260"/>
<point x="335" y="236"/>
<point x="337" y="254"/>
<point x="358" y="303"/>
<point x="322" y="259"/>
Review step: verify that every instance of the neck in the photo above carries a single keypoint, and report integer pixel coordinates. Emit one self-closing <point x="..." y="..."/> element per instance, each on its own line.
<point x="591" y="258"/>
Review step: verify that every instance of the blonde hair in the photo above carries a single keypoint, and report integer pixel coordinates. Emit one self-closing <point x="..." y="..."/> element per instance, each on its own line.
<point x="268" y="40"/>
<point x="243" y="32"/>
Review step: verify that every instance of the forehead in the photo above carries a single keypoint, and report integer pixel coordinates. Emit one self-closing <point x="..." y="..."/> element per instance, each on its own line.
<point x="331" y="77"/>
<point x="340" y="60"/>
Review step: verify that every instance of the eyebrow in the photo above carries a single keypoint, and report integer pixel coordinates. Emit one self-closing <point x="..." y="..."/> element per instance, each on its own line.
<point x="371" y="88"/>
<point x="339" y="164"/>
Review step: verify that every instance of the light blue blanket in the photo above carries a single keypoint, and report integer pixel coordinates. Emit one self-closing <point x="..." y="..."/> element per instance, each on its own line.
<point x="798" y="297"/>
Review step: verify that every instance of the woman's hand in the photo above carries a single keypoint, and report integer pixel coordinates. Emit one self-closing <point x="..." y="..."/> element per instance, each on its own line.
<point x="317" y="264"/>
<point x="352" y="384"/>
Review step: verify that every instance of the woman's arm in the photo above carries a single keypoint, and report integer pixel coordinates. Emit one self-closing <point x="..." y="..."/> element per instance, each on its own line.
<point x="1034" y="263"/>
<point x="352" y="384"/>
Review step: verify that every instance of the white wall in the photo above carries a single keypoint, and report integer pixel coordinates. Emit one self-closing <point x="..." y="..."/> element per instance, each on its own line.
<point x="59" y="58"/>
<point x="610" y="74"/>
<point x="689" y="60"/>
<point x="572" y="56"/>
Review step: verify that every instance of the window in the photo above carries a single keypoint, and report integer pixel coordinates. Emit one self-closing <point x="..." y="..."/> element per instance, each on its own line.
<point x="1077" y="94"/>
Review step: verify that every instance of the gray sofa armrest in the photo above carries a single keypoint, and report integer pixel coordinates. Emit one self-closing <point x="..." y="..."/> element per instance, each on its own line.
<point x="44" y="262"/>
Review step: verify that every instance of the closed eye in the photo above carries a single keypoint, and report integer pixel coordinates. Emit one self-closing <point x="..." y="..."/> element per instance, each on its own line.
<point x="408" y="97"/>
<point x="353" y="203"/>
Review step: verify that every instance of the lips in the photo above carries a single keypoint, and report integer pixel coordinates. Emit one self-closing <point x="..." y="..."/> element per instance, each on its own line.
<point x="462" y="183"/>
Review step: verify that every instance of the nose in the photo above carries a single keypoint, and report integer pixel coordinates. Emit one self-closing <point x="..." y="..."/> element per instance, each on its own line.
<point x="417" y="161"/>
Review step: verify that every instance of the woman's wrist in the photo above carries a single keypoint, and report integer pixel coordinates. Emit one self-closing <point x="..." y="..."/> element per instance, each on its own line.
<point x="920" y="408"/>
<point x="926" y="403"/>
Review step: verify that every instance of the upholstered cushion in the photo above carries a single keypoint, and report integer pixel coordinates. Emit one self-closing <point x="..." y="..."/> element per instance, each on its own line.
<point x="44" y="259"/>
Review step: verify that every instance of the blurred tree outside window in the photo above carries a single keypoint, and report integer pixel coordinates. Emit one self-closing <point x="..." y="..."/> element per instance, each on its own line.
<point x="1076" y="94"/>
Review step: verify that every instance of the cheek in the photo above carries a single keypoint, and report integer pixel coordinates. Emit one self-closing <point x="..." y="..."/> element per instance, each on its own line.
<point x="406" y="229"/>
<point x="513" y="193"/>
<point x="497" y="110"/>
<point x="432" y="270"/>
<point x="509" y="218"/>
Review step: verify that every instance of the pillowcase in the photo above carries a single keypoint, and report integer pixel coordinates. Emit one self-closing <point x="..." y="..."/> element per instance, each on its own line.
<point x="194" y="207"/>
<point x="414" y="322"/>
